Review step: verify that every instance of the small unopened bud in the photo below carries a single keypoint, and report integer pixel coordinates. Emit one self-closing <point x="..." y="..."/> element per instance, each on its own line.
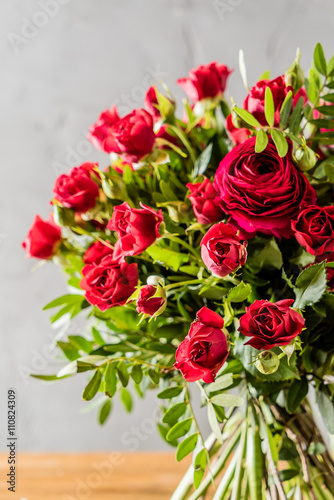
<point x="295" y="75"/>
<point x="305" y="158"/>
<point x="267" y="362"/>
<point x="178" y="211"/>
<point x="151" y="301"/>
<point x="155" y="280"/>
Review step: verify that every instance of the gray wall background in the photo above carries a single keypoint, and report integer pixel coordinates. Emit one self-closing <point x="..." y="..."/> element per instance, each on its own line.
<point x="55" y="80"/>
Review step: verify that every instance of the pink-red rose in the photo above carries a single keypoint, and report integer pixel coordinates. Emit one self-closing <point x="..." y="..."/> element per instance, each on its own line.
<point x="151" y="102"/>
<point x="254" y="102"/>
<point x="136" y="228"/>
<point x="262" y="191"/>
<point x="43" y="238"/>
<point x="238" y="135"/>
<point x="314" y="229"/>
<point x="205" y="202"/>
<point x="205" y="348"/>
<point x="78" y="190"/>
<point x="148" y="302"/>
<point x="109" y="283"/>
<point x="222" y="250"/>
<point x="132" y="136"/>
<point x="96" y="252"/>
<point x="271" y="324"/>
<point x="205" y="82"/>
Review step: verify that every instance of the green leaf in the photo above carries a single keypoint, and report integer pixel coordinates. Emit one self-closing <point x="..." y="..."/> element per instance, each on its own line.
<point x="167" y="257"/>
<point x="311" y="284"/>
<point x="186" y="446"/>
<point x="323" y="123"/>
<point x="220" y="383"/>
<point x="199" y="467"/>
<point x="123" y="374"/>
<point x="286" y="109"/>
<point x="137" y="373"/>
<point x="261" y="141"/>
<point x="80" y="343"/>
<point x="247" y="117"/>
<point x="296" y="116"/>
<point x="202" y="162"/>
<point x="163" y="431"/>
<point x="227" y="400"/>
<point x="110" y="380"/>
<point x="316" y="449"/>
<point x="328" y="97"/>
<point x="326" y="408"/>
<point x="179" y="429"/>
<point x="174" y="413"/>
<point x="97" y="336"/>
<point x="239" y="293"/>
<point x="269" y="108"/>
<point x="122" y="318"/>
<point x="280" y="142"/>
<point x="126" y="400"/>
<point x="326" y="110"/>
<point x="154" y="376"/>
<point x="92" y="386"/>
<point x="170" y="392"/>
<point x="267" y="257"/>
<point x="296" y="393"/>
<point x="319" y="59"/>
<point x="48" y="378"/>
<point x="69" y="350"/>
<point x="214" y="424"/>
<point x="65" y="299"/>
<point x="105" y="412"/>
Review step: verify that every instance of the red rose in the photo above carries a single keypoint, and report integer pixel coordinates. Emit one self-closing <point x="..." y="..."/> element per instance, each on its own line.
<point x="136" y="228"/>
<point x="205" y="202"/>
<point x="43" y="238"/>
<point x="254" y="102"/>
<point x="96" y="252"/>
<point x="314" y="229"/>
<point x="148" y="301"/>
<point x="238" y="135"/>
<point x="77" y="190"/>
<point x="109" y="283"/>
<point x="262" y="191"/>
<point x="222" y="250"/>
<point x="205" y="348"/>
<point x="205" y="82"/>
<point x="271" y="324"/>
<point x="132" y="137"/>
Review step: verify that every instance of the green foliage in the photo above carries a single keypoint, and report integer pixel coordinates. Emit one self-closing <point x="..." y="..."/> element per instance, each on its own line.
<point x="310" y="285"/>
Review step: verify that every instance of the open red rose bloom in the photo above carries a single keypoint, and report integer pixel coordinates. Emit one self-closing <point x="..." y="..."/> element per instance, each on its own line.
<point x="202" y="251"/>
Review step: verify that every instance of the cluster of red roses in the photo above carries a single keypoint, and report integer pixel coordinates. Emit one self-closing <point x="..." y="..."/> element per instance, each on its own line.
<point x="260" y="192"/>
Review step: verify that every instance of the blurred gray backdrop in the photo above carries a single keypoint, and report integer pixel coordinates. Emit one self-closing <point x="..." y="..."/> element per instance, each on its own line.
<point x="62" y="63"/>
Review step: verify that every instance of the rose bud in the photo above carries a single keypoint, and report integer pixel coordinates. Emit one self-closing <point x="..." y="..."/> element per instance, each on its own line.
<point x="254" y="102"/>
<point x="152" y="300"/>
<point x="109" y="283"/>
<point x="314" y="229"/>
<point x="96" y="252"/>
<point x="136" y="228"/>
<point x="305" y="158"/>
<point x="152" y="104"/>
<point x="267" y="362"/>
<point x="205" y="202"/>
<point x="43" y="238"/>
<point x="78" y="190"/>
<point x="262" y="191"/>
<point x="271" y="324"/>
<point x="222" y="250"/>
<point x="132" y="136"/>
<point x="238" y="135"/>
<point x="205" y="349"/>
<point x="205" y="82"/>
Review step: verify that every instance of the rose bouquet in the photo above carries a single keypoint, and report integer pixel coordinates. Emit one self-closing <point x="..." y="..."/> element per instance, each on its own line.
<point x="203" y="259"/>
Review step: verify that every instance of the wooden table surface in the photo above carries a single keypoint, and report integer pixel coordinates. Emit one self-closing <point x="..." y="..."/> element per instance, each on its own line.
<point x="93" y="476"/>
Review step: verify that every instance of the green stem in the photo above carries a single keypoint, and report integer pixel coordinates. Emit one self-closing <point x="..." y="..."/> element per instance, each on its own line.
<point x="182" y="283"/>
<point x="182" y="243"/>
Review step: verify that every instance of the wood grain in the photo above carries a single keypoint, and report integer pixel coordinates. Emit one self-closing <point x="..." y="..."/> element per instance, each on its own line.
<point x="93" y="476"/>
